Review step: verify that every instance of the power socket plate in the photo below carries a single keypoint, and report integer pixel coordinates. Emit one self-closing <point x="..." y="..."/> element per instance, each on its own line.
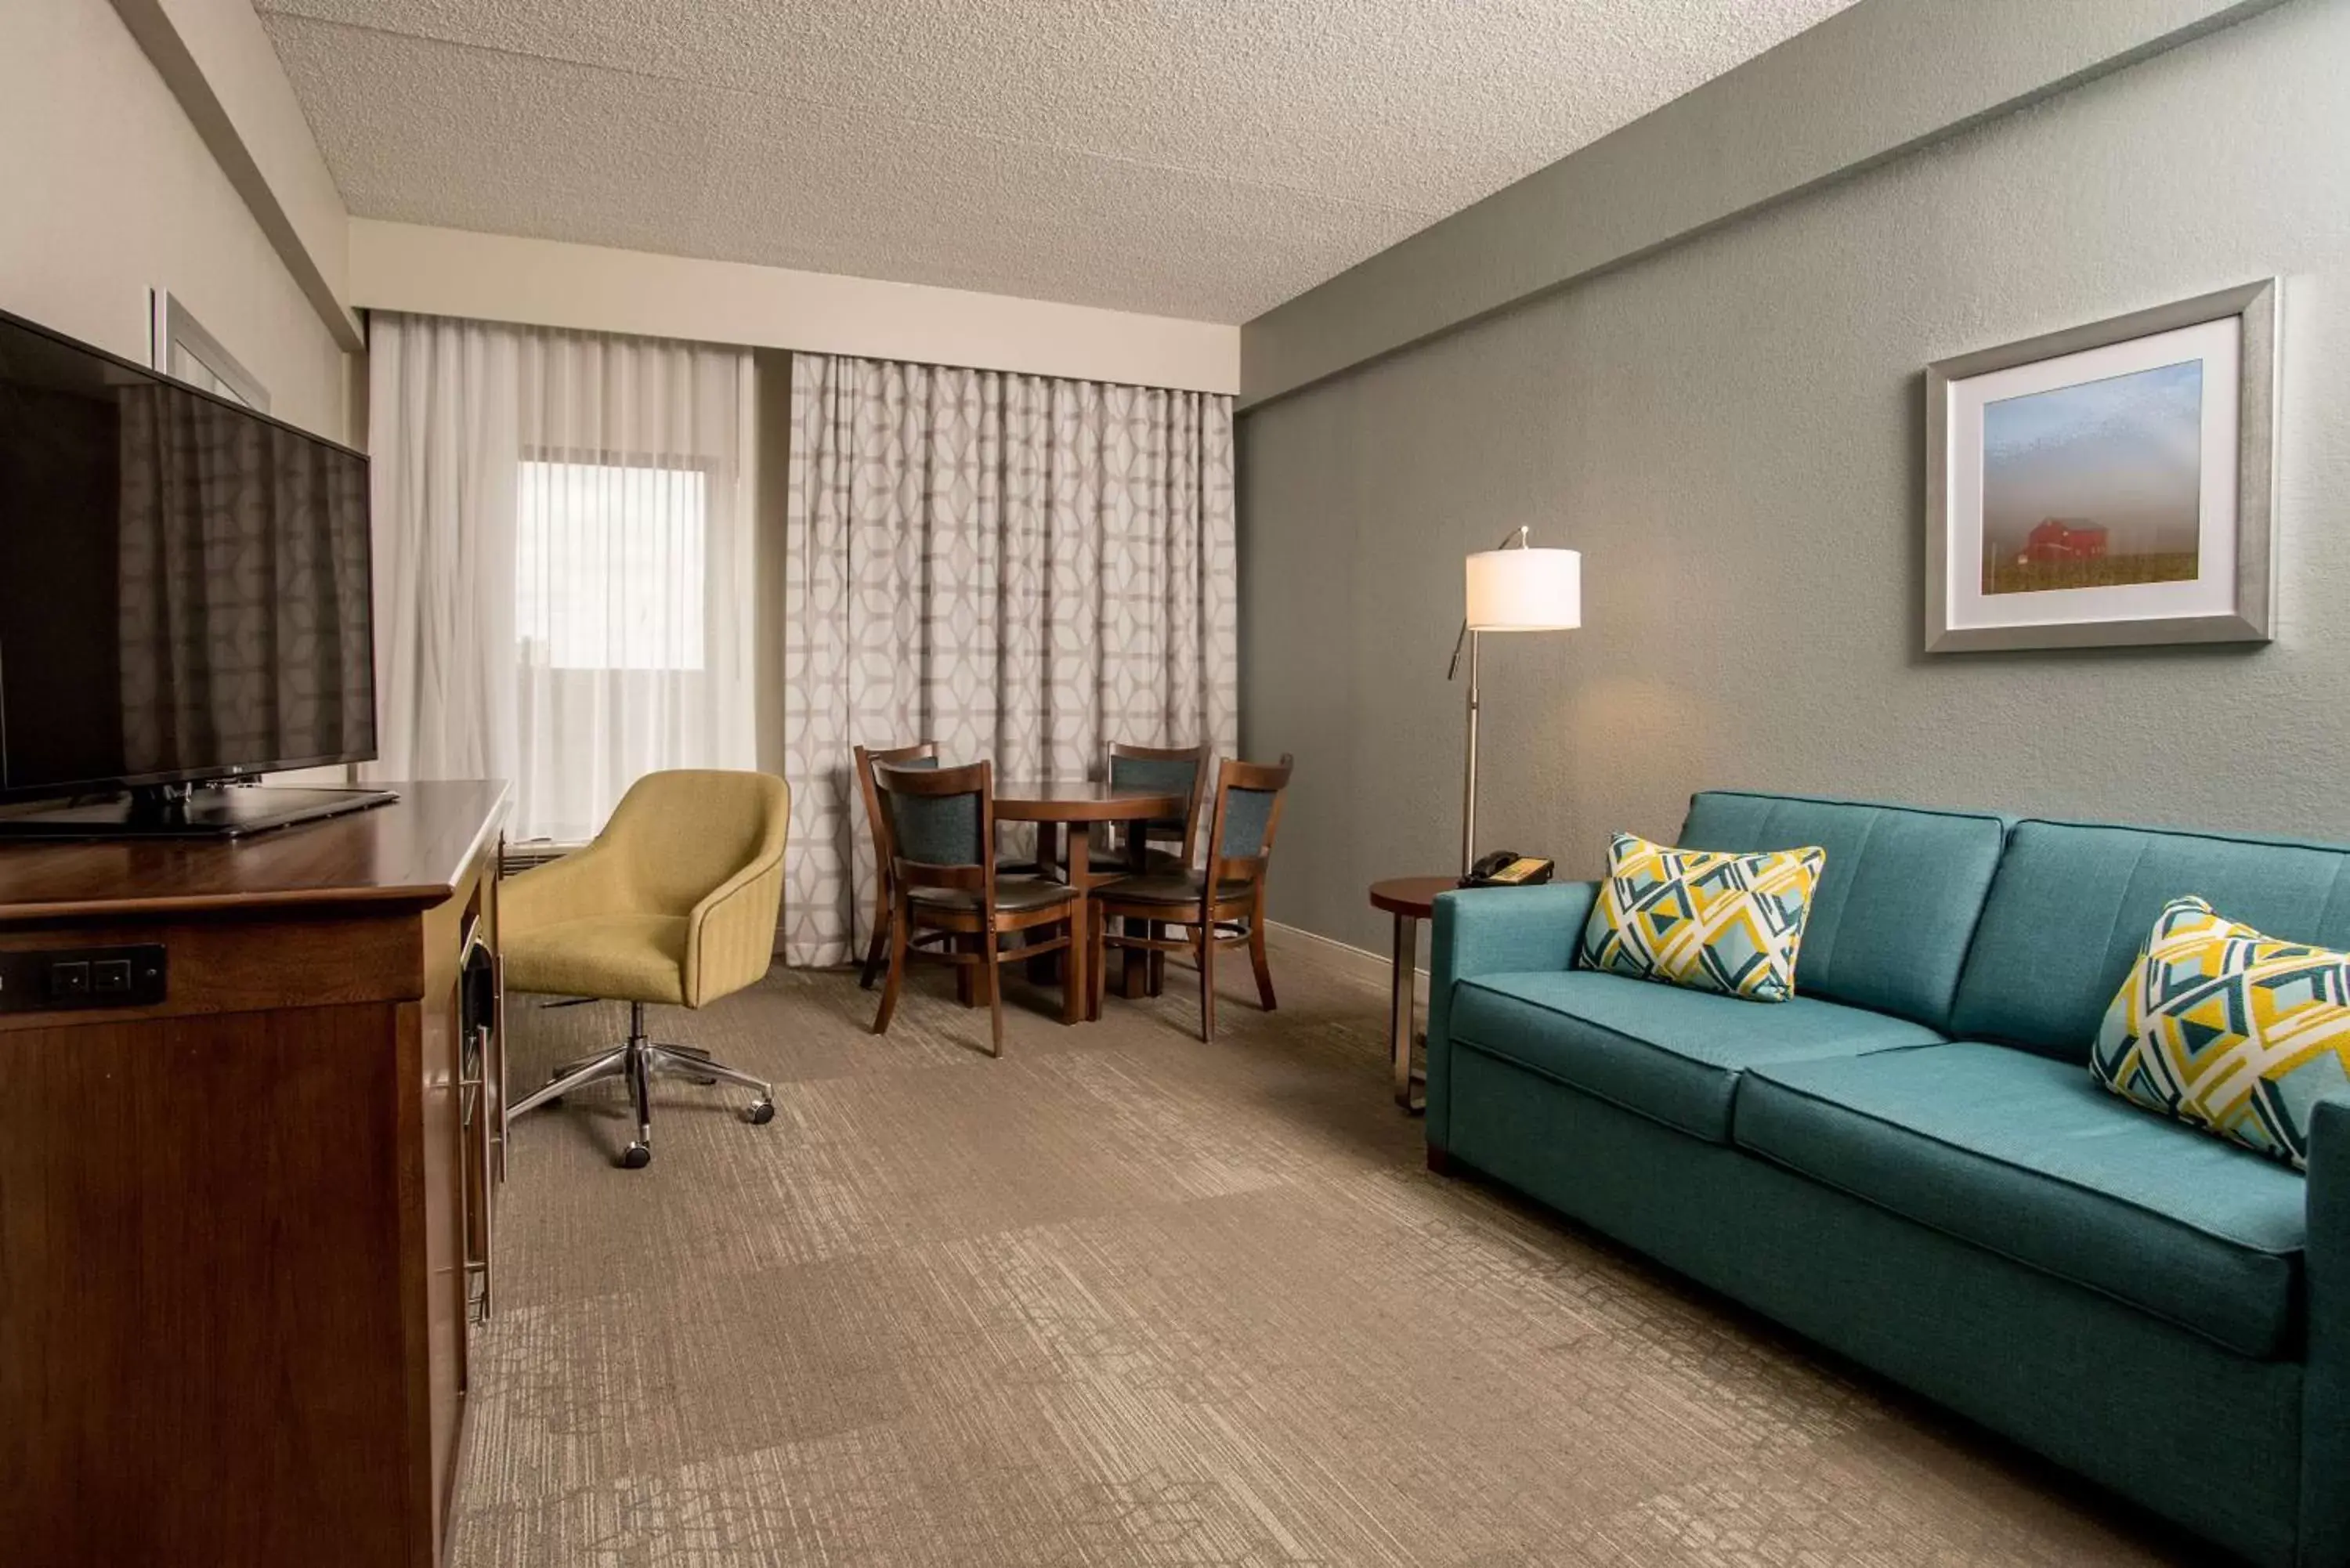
<point x="83" y="980"/>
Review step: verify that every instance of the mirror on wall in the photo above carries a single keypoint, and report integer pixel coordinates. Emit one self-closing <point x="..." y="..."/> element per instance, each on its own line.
<point x="181" y="348"/>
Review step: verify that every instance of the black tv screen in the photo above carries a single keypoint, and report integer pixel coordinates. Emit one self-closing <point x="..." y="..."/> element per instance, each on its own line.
<point x="184" y="585"/>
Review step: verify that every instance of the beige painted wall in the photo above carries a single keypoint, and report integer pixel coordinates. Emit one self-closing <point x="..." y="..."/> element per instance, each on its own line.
<point x="109" y="191"/>
<point x="1730" y="430"/>
<point x="219" y="63"/>
<point x="544" y="283"/>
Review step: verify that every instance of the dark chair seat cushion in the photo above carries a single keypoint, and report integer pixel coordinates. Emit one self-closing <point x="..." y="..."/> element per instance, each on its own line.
<point x="1167" y="888"/>
<point x="2028" y="1158"/>
<point x="1109" y="861"/>
<point x="1668" y="1053"/>
<point x="1019" y="894"/>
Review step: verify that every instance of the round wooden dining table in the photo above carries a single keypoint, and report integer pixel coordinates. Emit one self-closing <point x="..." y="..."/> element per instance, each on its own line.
<point x="1078" y="807"/>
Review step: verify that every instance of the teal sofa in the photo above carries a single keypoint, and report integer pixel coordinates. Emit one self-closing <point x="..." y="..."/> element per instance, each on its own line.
<point x="1910" y="1163"/>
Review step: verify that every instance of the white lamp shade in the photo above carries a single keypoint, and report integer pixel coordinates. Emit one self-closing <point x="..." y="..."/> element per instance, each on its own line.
<point x="1525" y="590"/>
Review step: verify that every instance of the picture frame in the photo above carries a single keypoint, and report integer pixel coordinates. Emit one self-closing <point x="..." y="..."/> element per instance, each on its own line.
<point x="2108" y="485"/>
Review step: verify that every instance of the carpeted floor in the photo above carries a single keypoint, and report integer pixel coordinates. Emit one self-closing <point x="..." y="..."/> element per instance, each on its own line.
<point x="1124" y="1298"/>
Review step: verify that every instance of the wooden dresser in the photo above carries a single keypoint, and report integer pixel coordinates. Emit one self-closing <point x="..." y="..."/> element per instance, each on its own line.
<point x="243" y="1228"/>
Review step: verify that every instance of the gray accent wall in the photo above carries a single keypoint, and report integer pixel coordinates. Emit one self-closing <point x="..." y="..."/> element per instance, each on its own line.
<point x="1876" y="80"/>
<point x="1731" y="430"/>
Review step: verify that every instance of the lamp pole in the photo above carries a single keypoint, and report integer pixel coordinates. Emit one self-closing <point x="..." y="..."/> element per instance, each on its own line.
<point x="1469" y="772"/>
<point x="1469" y="638"/>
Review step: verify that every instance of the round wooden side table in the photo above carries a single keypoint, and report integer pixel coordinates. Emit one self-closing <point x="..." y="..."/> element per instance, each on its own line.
<point x="1410" y="900"/>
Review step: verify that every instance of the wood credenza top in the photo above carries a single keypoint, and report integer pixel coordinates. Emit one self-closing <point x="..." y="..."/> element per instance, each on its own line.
<point x="414" y="852"/>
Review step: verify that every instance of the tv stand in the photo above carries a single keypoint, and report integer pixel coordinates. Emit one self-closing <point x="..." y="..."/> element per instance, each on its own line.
<point x="184" y="811"/>
<point x="250" y="1210"/>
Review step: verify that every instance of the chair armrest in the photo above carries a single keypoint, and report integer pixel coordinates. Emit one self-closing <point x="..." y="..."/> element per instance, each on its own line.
<point x="1492" y="930"/>
<point x="2326" y="1386"/>
<point x="730" y="936"/>
<point x="585" y="882"/>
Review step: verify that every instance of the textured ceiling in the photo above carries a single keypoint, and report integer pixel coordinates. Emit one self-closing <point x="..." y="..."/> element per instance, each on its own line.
<point x="1205" y="158"/>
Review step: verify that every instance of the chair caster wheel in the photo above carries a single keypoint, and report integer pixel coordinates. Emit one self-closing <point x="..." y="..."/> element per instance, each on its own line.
<point x="761" y="1113"/>
<point x="636" y="1157"/>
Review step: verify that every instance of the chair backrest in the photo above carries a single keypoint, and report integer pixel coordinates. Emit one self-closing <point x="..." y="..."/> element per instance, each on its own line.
<point x="920" y="754"/>
<point x="1246" y="817"/>
<point x="941" y="824"/>
<point x="687" y="830"/>
<point x="1169" y="768"/>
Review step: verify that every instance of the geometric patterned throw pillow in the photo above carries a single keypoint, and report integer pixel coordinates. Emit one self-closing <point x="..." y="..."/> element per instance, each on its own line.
<point x="2228" y="1030"/>
<point x="1702" y="919"/>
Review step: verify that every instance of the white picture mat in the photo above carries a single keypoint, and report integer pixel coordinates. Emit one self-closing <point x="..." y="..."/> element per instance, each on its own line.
<point x="2219" y="347"/>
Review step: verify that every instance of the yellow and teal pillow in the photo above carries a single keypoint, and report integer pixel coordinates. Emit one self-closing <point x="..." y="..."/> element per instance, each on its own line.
<point x="2231" y="1031"/>
<point x="1702" y="919"/>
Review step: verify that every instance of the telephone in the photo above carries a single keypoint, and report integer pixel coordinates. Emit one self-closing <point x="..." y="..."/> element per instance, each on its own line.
<point x="1507" y="869"/>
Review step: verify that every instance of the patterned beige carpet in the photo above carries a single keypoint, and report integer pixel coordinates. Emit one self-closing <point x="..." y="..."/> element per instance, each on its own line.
<point x="1123" y="1298"/>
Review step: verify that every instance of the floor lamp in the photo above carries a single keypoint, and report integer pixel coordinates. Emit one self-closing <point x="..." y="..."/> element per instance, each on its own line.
<point x="1512" y="587"/>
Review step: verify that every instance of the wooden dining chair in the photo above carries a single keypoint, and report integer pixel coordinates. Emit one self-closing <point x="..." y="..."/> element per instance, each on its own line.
<point x="1219" y="905"/>
<point x="1167" y="842"/>
<point x="943" y="878"/>
<point x="920" y="754"/>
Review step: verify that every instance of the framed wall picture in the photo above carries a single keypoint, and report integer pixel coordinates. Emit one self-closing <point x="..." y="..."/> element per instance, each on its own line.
<point x="2107" y="485"/>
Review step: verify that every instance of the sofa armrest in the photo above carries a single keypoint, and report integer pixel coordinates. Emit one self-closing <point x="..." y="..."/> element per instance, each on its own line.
<point x="2326" y="1386"/>
<point x="1492" y="930"/>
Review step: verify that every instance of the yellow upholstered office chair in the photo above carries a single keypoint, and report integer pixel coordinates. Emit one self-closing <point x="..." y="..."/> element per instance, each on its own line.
<point x="675" y="902"/>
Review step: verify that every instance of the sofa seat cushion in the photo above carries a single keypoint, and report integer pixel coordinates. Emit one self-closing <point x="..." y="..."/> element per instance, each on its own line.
<point x="2030" y="1158"/>
<point x="1668" y="1053"/>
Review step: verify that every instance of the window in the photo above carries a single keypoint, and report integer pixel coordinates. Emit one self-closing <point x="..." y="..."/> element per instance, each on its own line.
<point x="610" y="565"/>
<point x="179" y="346"/>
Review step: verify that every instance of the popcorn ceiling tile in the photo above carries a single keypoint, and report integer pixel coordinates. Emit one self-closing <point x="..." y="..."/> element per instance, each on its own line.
<point x="1190" y="157"/>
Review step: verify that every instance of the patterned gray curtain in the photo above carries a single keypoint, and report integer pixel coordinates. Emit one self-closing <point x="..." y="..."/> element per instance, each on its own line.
<point x="1018" y="567"/>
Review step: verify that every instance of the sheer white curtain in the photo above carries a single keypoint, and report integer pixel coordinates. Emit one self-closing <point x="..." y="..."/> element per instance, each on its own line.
<point x="563" y="560"/>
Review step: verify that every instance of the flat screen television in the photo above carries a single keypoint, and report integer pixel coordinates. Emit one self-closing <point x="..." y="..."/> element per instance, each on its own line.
<point x="185" y="602"/>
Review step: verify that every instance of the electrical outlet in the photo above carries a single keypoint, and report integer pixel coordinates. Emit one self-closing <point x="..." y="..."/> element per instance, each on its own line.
<point x="77" y="978"/>
<point x="69" y="981"/>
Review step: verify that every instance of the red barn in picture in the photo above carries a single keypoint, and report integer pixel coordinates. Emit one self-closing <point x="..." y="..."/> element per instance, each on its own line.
<point x="2059" y="539"/>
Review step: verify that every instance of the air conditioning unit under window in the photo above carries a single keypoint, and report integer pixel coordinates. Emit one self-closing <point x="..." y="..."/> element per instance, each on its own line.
<point x="521" y="856"/>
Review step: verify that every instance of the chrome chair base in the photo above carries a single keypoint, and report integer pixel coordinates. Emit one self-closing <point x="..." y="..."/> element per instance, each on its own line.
<point x="637" y="1060"/>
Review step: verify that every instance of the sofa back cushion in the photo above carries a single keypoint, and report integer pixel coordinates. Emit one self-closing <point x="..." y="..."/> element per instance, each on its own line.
<point x="1897" y="903"/>
<point x="2073" y="902"/>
